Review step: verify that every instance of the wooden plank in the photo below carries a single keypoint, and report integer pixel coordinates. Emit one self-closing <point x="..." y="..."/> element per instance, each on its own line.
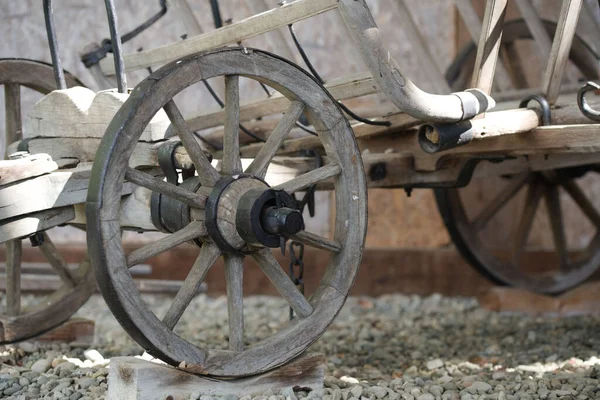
<point x="85" y="113"/>
<point x="59" y="188"/>
<point x="286" y="14"/>
<point x="561" y="46"/>
<point x="28" y="166"/>
<point x="489" y="45"/>
<point x="310" y="178"/>
<point x="341" y="89"/>
<point x="84" y="150"/>
<point x="35" y="222"/>
<point x="132" y="378"/>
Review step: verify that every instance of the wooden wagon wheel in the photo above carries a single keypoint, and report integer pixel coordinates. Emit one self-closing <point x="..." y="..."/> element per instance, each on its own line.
<point x="571" y="265"/>
<point x="224" y="212"/>
<point x="17" y="323"/>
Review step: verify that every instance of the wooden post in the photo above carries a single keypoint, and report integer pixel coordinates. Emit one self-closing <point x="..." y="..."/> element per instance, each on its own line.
<point x="561" y="46"/>
<point x="489" y="45"/>
<point x="473" y="24"/>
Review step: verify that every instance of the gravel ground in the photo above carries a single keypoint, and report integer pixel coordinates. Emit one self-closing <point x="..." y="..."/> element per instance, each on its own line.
<point x="391" y="347"/>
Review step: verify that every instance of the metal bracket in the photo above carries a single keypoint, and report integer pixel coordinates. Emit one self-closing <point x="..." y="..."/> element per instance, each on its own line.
<point x="584" y="107"/>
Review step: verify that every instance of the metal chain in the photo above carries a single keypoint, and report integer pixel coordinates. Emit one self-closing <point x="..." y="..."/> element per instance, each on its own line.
<point x="297" y="256"/>
<point x="297" y="262"/>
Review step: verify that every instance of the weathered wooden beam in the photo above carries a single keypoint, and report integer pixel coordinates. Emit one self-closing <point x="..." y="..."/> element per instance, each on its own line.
<point x="133" y="378"/>
<point x="230" y="34"/>
<point x="561" y="46"/>
<point x="489" y="45"/>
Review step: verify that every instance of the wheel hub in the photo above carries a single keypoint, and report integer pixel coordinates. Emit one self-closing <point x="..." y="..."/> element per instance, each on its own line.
<point x="243" y="213"/>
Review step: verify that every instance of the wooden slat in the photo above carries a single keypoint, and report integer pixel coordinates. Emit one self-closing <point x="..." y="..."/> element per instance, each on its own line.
<point x="234" y="277"/>
<point x="284" y="285"/>
<point x="56" y="260"/>
<point x="316" y="241"/>
<point x="267" y="152"/>
<point x="310" y="178"/>
<point x="230" y="34"/>
<point x="532" y="200"/>
<point x="13" y="277"/>
<point x="498" y="202"/>
<point x="341" y="89"/>
<point x="186" y="234"/>
<point x="561" y="46"/>
<point x="584" y="203"/>
<point x="489" y="45"/>
<point x="473" y="24"/>
<point x="232" y="164"/>
<point x="556" y="222"/>
<point x="207" y="174"/>
<point x="35" y="222"/>
<point x="207" y="257"/>
<point x="197" y="200"/>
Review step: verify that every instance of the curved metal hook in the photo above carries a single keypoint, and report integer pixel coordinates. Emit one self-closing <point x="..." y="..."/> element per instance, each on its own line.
<point x="584" y="107"/>
<point x="542" y="102"/>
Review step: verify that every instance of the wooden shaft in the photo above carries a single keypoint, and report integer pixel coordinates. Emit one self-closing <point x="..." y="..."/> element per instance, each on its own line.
<point x="230" y="34"/>
<point x="473" y="23"/>
<point x="561" y="46"/>
<point x="13" y="277"/>
<point x="489" y="45"/>
<point x="12" y="106"/>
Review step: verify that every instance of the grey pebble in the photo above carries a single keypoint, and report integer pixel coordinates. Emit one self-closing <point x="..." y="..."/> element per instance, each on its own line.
<point x="41" y="366"/>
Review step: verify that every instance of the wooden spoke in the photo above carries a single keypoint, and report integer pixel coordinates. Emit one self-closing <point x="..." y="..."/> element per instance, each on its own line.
<point x="234" y="277"/>
<point x="232" y="163"/>
<point x="12" y="106"/>
<point x="582" y="201"/>
<point x="57" y="262"/>
<point x="305" y="180"/>
<point x="499" y="201"/>
<point x="532" y="200"/>
<point x="316" y="241"/>
<point x="284" y="285"/>
<point x="269" y="149"/>
<point x="192" y="231"/>
<point x="207" y="174"/>
<point x="196" y="200"/>
<point x="209" y="252"/>
<point x="13" y="277"/>
<point x="556" y="221"/>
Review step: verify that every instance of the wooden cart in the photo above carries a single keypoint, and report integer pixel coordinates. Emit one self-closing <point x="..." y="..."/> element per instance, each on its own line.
<point x="196" y="180"/>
